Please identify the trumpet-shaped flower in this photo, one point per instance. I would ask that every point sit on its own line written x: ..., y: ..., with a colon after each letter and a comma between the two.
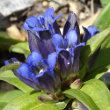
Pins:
x: 42, y: 23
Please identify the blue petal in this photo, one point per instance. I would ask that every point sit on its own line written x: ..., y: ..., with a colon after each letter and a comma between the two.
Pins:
x: 40, y: 74
x: 72, y: 38
x: 12, y: 60
x: 57, y: 40
x: 57, y: 17
x: 46, y: 82
x: 76, y: 62
x: 81, y: 44
x: 27, y: 81
x: 52, y: 60
x: 49, y: 26
x: 56, y: 28
x: 34, y: 58
x: 65, y: 43
x: 86, y: 35
x: 31, y: 21
x: 64, y: 63
x: 38, y: 29
x: 92, y: 30
x: 71, y: 23
x: 24, y: 70
x: 41, y: 21
x: 41, y: 42
x: 25, y: 25
x: 49, y: 13
x: 39, y: 17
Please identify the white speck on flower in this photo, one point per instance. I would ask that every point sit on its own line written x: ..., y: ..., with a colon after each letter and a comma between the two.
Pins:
x: 68, y: 63
x: 41, y: 70
x: 67, y: 49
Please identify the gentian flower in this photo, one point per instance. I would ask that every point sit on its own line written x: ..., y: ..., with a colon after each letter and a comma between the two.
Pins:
x: 55, y: 58
x: 41, y: 23
x: 69, y: 45
x: 38, y: 73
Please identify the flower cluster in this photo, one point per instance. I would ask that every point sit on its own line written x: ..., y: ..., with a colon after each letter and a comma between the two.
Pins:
x: 54, y: 60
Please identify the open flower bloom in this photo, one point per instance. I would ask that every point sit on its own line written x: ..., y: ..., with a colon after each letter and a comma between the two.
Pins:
x: 38, y: 73
x: 41, y: 23
x: 54, y: 57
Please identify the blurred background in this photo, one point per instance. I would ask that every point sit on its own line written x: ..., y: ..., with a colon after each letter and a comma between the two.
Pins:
x: 14, y: 13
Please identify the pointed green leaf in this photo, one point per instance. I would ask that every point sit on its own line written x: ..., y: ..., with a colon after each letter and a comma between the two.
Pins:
x: 98, y: 72
x: 46, y: 107
x: 105, y: 2
x: 24, y: 102
x: 9, y: 67
x: 97, y: 90
x: 29, y: 101
x: 62, y: 105
x: 22, y: 47
x: 9, y: 77
x: 103, y: 20
x: 8, y: 96
x: 82, y: 97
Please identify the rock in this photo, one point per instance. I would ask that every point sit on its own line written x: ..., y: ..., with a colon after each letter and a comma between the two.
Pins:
x: 82, y: 15
x: 15, y: 33
x: 7, y: 7
x: 76, y: 6
x: 57, y: 3
x: 45, y: 3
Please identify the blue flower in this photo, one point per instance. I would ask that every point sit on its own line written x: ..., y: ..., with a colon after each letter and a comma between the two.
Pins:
x: 89, y: 32
x: 41, y: 42
x: 39, y: 73
x: 69, y: 45
x: 68, y: 52
x: 54, y: 58
x: 39, y: 30
x: 42, y: 23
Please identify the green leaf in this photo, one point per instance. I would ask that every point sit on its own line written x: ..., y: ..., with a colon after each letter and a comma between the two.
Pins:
x: 62, y: 105
x: 9, y: 67
x: 9, y: 77
x: 24, y: 102
x: 98, y: 72
x: 97, y: 90
x: 103, y: 20
x: 91, y: 46
x: 6, y: 41
x: 46, y: 106
x: 82, y: 97
x: 22, y: 47
x: 29, y: 101
x: 8, y: 96
x: 105, y: 2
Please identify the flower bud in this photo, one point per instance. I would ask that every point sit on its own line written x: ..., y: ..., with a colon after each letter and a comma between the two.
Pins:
x: 45, y: 97
x: 76, y: 84
x: 79, y: 106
